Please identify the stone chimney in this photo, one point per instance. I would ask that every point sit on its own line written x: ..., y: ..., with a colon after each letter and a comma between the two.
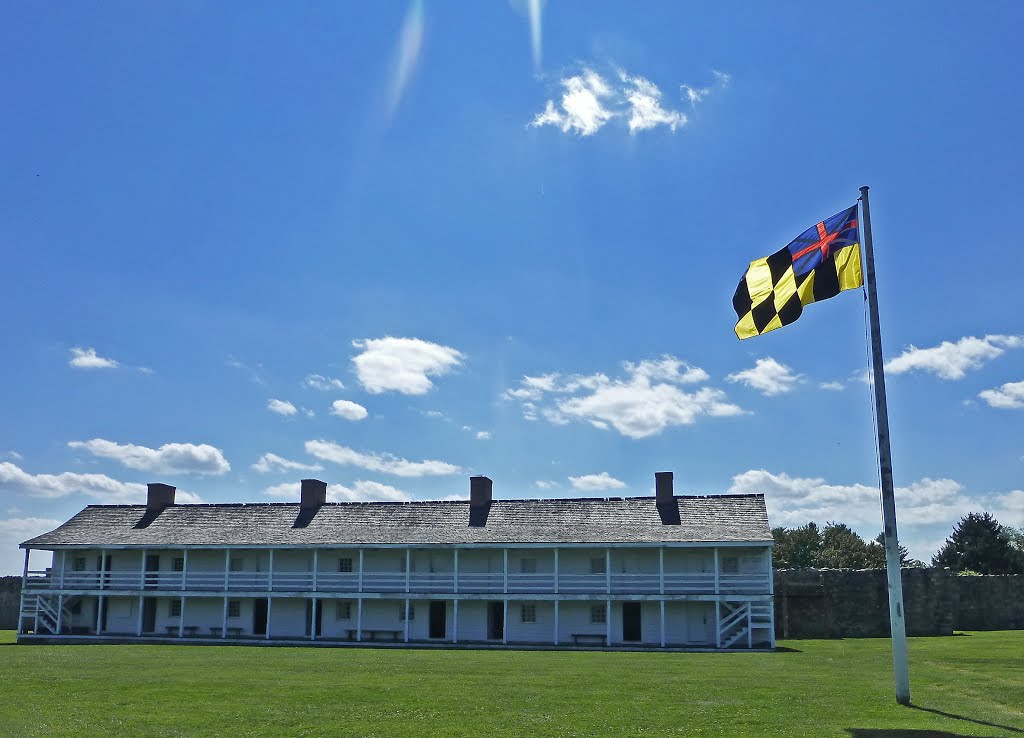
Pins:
x: 158, y: 497
x: 480, y: 492
x: 313, y: 495
x: 663, y: 488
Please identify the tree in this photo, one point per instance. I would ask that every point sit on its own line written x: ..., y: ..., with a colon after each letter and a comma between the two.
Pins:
x: 841, y: 548
x: 836, y: 546
x: 905, y: 561
x: 979, y: 543
x: 796, y: 548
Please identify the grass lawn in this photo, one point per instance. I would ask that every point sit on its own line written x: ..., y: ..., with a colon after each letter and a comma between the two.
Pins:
x: 970, y: 684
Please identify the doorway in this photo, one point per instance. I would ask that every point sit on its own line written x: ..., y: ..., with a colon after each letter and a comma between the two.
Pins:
x: 495, y: 621
x: 438, y: 618
x: 631, y: 622
x: 314, y: 610
x: 259, y: 617
x: 148, y: 615
x: 152, y: 565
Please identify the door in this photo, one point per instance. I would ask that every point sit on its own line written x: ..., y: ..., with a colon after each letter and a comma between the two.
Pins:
x: 259, y: 617
x: 495, y: 621
x: 631, y: 628
x: 148, y: 615
x: 438, y: 615
x: 315, y: 612
x: 152, y: 565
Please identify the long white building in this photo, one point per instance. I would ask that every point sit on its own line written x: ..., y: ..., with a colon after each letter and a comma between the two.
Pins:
x: 667, y: 571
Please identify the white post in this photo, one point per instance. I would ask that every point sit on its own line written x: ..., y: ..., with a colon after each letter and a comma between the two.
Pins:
x: 504, y: 611
x: 224, y: 620
x: 316, y: 564
x: 24, y: 581
x: 608, y: 570
x: 716, y: 569
x: 103, y: 568
x: 556, y: 612
x: 455, y: 569
x: 184, y: 570
x: 661, y: 570
x: 181, y: 617
x: 227, y: 567
x: 360, y: 578
x: 504, y: 573
x: 60, y: 613
x: 718, y: 624
x: 408, y: 570
x: 407, y: 614
x: 63, y: 566
x: 142, y: 571
x: 270, y: 578
x: 771, y: 592
x: 270, y: 609
x: 138, y: 623
x: 455, y: 616
x: 662, y: 603
x: 312, y: 619
x: 100, y: 605
x: 608, y: 624
x: 359, y: 606
x: 556, y: 587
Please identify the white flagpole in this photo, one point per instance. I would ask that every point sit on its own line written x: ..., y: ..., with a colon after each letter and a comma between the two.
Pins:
x: 897, y: 621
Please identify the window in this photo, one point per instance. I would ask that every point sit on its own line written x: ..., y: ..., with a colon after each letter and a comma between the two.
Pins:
x: 344, y: 611
x: 234, y: 609
x: 78, y: 563
x: 598, y: 614
x: 597, y: 565
x: 345, y: 565
x: 235, y: 564
x: 179, y: 564
x: 401, y: 612
x: 528, y: 566
x: 528, y: 613
x: 730, y: 565
x: 175, y: 609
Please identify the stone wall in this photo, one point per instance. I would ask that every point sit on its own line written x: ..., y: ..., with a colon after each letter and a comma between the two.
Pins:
x: 10, y: 601
x: 837, y: 603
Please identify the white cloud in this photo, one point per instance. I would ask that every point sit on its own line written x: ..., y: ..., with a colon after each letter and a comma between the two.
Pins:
x: 697, y: 94
x: 589, y: 101
x: 768, y: 377
x: 832, y: 386
x: 322, y: 383
x: 15, y: 455
x: 402, y: 364
x: 348, y: 410
x: 595, y: 482
x: 384, y: 463
x: 274, y: 463
x: 483, y: 435
x: 642, y: 404
x: 86, y: 358
x: 546, y: 484
x: 407, y: 54
x: 645, y: 110
x: 171, y: 458
x: 282, y: 407
x: 1008, y: 396
x: 15, y: 530
x: 952, y: 360
x: 99, y: 487
x: 360, y: 491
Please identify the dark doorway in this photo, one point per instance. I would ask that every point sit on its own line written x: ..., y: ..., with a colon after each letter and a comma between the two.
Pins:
x: 631, y: 630
x: 103, y: 605
x: 152, y: 565
x: 148, y: 615
x: 103, y: 565
x: 495, y: 621
x: 438, y: 618
x: 259, y: 617
x: 314, y: 612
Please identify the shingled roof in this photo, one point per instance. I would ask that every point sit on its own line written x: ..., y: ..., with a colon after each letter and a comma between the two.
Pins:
x: 703, y: 519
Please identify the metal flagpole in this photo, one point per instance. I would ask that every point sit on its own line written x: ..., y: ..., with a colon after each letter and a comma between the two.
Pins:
x: 892, y: 547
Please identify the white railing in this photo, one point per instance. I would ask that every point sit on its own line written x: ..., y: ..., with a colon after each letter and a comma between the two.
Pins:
x: 419, y: 583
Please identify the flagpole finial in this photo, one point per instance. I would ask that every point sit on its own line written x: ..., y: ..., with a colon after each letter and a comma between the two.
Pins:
x: 864, y: 191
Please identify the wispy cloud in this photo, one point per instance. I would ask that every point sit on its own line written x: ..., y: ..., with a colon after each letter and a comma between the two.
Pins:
x: 546, y: 484
x: 645, y: 108
x: 407, y: 54
x: 171, y: 458
x: 767, y: 376
x: 360, y: 491
x: 832, y: 386
x: 99, y: 487
x: 596, y: 482
x: 483, y: 435
x: 953, y: 359
x: 273, y: 463
x: 696, y: 95
x: 348, y: 410
x: 282, y: 407
x: 322, y: 383
x: 87, y: 358
x: 376, y: 462
x: 643, y: 403
x: 403, y: 365
x: 1007, y: 396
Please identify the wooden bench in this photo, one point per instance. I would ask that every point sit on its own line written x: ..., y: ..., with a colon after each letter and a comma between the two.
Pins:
x: 216, y: 630
x: 372, y: 634
x: 599, y: 638
x: 187, y: 630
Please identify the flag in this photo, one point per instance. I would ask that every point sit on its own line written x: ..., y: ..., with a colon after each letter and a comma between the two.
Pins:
x: 818, y: 264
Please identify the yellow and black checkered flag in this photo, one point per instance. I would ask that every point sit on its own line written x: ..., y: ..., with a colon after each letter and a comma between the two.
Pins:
x: 818, y: 264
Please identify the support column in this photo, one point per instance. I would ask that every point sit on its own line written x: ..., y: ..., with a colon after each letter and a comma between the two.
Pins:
x: 455, y: 616
x: 184, y: 570
x: 771, y: 592
x: 138, y: 623
x: 408, y: 570
x: 316, y: 565
x: 24, y: 580
x: 556, y: 614
x: 270, y: 575
x: 312, y: 619
x: 504, y: 573
x: 101, y: 603
x: 63, y: 566
x: 716, y: 570
x: 103, y: 568
x: 407, y: 614
x: 556, y: 584
x: 608, y: 624
x: 224, y: 620
x: 608, y: 570
x: 359, y: 608
x: 718, y: 624
x: 504, y: 612
x: 142, y: 571
x: 662, y: 604
x: 227, y: 567
x: 661, y: 569
x: 360, y: 578
x: 60, y: 613
x: 270, y: 611
x: 181, y: 617
x: 455, y: 570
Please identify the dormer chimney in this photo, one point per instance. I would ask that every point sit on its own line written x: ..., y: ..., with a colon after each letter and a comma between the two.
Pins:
x: 158, y: 497
x: 480, y: 492
x: 663, y: 488
x: 313, y: 495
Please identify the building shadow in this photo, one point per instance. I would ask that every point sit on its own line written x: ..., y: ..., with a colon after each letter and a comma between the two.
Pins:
x: 787, y: 649
x: 902, y: 733
x: 976, y: 721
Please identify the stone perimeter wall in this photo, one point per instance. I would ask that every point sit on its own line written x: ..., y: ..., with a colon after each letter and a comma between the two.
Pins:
x: 839, y: 603
x: 10, y: 601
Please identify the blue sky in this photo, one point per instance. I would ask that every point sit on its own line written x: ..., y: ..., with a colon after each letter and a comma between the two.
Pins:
x: 504, y: 240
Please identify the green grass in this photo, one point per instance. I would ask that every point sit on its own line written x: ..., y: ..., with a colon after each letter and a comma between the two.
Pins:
x: 964, y: 685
